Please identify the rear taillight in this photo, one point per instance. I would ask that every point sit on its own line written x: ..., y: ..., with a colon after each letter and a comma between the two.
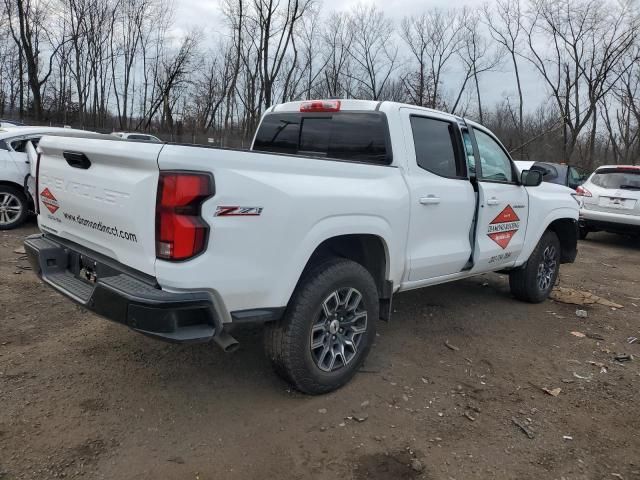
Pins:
x: 181, y: 233
x: 583, y: 192
x: 320, y: 106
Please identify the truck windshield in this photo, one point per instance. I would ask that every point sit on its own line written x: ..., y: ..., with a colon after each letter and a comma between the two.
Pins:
x: 358, y: 137
x: 616, y: 178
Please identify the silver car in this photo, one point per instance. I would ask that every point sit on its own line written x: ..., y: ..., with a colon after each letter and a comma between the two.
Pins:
x: 610, y: 201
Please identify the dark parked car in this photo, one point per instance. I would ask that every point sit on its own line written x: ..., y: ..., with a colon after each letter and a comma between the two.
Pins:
x: 559, y: 173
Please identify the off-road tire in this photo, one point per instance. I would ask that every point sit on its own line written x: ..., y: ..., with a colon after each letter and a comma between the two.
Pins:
x: 524, y: 281
x: 21, y: 198
x: 288, y: 341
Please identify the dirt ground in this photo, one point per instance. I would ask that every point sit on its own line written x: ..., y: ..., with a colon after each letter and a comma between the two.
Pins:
x: 437, y: 399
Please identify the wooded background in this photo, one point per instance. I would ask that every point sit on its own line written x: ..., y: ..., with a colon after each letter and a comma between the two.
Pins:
x: 123, y: 65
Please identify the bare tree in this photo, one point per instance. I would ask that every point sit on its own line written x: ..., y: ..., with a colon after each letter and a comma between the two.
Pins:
x: 433, y: 38
x: 29, y: 25
x: 585, y: 53
x: 276, y: 27
x: 621, y: 115
x: 505, y: 26
x: 478, y: 57
x: 337, y: 39
x: 372, y: 50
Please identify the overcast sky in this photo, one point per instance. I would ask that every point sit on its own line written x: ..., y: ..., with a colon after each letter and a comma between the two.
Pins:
x: 206, y: 16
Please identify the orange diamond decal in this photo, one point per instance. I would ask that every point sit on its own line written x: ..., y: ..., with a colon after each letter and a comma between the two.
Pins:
x: 504, y: 227
x: 49, y: 200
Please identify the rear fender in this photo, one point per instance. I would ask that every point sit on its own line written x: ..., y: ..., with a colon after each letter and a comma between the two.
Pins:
x: 336, y: 226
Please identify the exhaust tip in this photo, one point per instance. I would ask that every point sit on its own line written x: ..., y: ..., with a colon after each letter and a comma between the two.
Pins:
x: 232, y: 348
x: 226, y: 342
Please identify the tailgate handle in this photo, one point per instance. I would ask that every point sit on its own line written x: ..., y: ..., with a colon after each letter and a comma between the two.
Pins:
x: 77, y: 160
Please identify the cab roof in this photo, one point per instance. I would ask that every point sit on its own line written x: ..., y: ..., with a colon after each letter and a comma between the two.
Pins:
x: 356, y: 105
x: 31, y: 130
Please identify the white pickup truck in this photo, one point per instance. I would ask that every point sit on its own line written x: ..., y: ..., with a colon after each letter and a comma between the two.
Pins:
x: 338, y: 205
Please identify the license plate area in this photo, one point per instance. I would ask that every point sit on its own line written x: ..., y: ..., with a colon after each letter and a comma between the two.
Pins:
x: 617, y: 203
x: 84, y: 268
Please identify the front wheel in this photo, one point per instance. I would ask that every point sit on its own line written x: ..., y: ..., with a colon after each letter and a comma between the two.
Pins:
x: 534, y: 281
x: 328, y: 328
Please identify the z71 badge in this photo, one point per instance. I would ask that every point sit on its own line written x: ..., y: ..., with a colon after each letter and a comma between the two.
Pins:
x: 238, y: 212
x: 504, y: 227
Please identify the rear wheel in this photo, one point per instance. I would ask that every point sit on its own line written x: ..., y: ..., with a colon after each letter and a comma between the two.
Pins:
x: 328, y: 328
x: 534, y: 281
x: 13, y: 207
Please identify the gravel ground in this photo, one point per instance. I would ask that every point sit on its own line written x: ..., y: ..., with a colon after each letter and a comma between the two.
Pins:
x: 439, y: 397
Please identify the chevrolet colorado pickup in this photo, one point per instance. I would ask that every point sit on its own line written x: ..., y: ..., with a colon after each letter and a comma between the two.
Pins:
x: 338, y: 205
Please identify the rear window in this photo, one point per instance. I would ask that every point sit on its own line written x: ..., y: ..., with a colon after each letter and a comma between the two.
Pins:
x: 617, y: 178
x: 358, y: 137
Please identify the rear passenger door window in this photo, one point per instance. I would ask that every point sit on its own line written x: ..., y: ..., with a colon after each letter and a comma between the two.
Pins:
x: 437, y: 146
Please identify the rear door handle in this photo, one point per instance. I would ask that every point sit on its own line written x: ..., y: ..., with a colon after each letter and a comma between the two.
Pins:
x: 430, y: 200
x: 493, y: 201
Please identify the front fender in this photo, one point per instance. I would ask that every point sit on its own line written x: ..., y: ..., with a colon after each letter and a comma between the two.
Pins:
x: 536, y: 229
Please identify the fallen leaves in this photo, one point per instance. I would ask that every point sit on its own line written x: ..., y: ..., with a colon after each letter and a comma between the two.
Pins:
x: 554, y: 392
x: 580, y: 297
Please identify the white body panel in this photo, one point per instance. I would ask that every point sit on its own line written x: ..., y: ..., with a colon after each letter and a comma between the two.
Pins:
x: 255, y: 262
x: 619, y: 206
x: 15, y: 166
x: 303, y: 202
x: 108, y: 208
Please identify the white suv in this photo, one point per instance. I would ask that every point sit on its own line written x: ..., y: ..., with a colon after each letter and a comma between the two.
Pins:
x: 611, y: 200
x: 141, y: 137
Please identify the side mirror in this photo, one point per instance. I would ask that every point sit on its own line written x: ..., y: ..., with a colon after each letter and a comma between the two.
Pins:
x: 531, y: 178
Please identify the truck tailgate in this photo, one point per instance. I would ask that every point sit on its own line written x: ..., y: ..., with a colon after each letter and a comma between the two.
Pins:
x: 101, y: 194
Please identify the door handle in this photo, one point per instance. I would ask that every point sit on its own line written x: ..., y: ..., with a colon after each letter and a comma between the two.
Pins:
x: 493, y: 201
x: 77, y: 160
x: 429, y: 200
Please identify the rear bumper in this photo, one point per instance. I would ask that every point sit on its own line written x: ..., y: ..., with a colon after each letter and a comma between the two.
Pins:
x: 608, y: 221
x: 123, y: 298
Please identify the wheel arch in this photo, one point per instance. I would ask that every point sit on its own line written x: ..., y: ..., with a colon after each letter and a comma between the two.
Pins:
x: 10, y: 183
x: 564, y: 222
x: 567, y: 231
x: 369, y: 250
x: 20, y: 188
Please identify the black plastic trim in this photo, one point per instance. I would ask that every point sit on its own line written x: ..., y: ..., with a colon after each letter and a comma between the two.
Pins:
x: 612, y: 227
x: 104, y: 260
x: 187, y: 317
x: 257, y: 315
